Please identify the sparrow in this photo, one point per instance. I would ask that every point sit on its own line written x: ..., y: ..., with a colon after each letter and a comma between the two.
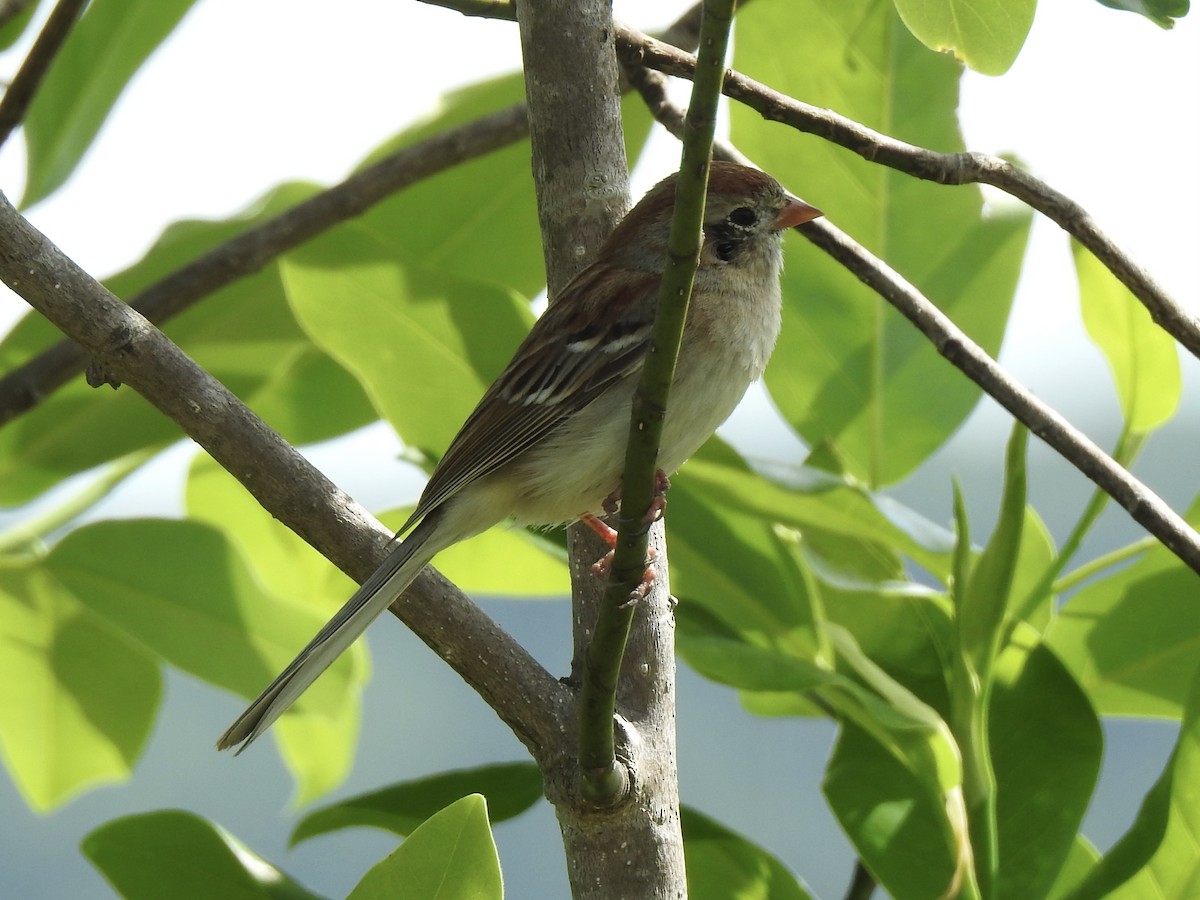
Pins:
x: 546, y: 444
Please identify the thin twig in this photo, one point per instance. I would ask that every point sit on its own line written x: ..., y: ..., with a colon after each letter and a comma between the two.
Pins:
x: 862, y: 883
x: 523, y: 694
x: 943, y: 168
x: 1146, y: 507
x: 483, y: 9
x: 25, y: 83
x: 27, y: 385
x: 597, y: 699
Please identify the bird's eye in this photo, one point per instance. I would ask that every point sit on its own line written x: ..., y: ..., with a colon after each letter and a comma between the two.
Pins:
x: 743, y: 216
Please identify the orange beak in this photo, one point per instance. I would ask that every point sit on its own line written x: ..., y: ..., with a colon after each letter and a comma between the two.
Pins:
x: 797, y: 212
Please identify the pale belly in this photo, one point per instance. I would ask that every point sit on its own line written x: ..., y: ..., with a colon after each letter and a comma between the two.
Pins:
x: 573, y: 471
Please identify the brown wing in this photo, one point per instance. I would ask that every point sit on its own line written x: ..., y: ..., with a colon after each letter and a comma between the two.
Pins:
x: 597, y: 332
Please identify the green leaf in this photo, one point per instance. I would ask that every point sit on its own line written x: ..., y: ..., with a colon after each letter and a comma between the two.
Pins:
x: 244, y: 334
x: 739, y: 570
x: 98, y: 59
x: 77, y: 698
x: 1028, y: 601
x: 510, y: 788
x: 317, y: 749
x: 819, y: 503
x: 1161, y: 12
x: 1046, y: 746
x: 984, y: 600
x: 905, y: 726
x: 985, y: 34
x: 308, y: 398
x: 849, y: 373
x: 497, y: 562
x: 1159, y: 856
x: 11, y: 31
x: 504, y: 562
x: 424, y: 343
x: 172, y: 853
x: 184, y: 592
x: 74, y: 430
x: 761, y: 599
x: 886, y: 730
x: 433, y: 295
x: 1142, y: 357
x: 1133, y: 639
x: 903, y: 723
x: 280, y: 559
x: 746, y: 667
x: 722, y: 864
x: 1080, y: 861
x: 896, y: 824
x: 448, y: 222
x: 450, y: 857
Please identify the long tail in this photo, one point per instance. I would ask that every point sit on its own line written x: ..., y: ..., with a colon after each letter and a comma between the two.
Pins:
x: 386, y: 583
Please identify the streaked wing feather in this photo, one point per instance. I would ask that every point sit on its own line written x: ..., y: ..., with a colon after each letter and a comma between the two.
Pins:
x: 574, y: 351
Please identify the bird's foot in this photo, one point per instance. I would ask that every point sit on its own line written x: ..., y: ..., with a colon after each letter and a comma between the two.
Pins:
x: 658, y: 503
x: 601, y: 567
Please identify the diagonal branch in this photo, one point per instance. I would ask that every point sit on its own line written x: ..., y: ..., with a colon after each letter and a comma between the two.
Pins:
x: 1146, y: 507
x: 27, y: 385
x: 943, y: 168
x: 523, y: 694
x: 28, y: 79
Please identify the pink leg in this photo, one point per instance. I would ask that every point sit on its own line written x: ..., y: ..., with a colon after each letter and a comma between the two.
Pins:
x: 658, y: 503
x: 601, y: 566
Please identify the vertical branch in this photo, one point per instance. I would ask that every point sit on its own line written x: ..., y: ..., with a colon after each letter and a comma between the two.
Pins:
x: 579, y: 162
x: 571, y: 77
x: 602, y: 774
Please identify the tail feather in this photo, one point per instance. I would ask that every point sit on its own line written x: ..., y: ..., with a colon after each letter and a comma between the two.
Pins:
x: 386, y: 583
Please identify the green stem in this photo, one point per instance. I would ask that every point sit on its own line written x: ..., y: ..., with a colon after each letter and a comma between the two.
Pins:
x: 968, y: 722
x: 862, y: 884
x: 1128, y: 445
x: 1100, y: 563
x: 602, y: 781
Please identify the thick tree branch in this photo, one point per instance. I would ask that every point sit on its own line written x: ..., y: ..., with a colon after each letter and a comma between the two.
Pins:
x: 1146, y: 507
x: 579, y: 162
x: 21, y: 91
x: 683, y: 32
x: 943, y: 168
x: 525, y: 696
x: 27, y: 385
x: 633, y: 848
